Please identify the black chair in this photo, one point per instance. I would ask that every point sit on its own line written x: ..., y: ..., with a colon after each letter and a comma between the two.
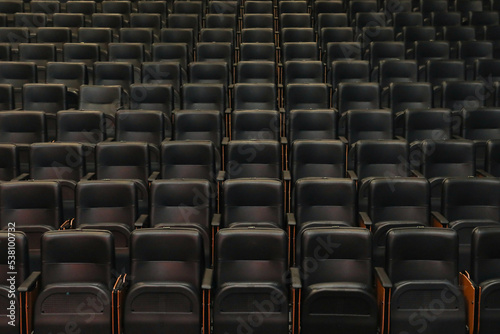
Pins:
x: 250, y: 266
x: 422, y: 263
x: 485, y: 276
x: 199, y: 125
x: 157, y: 97
x: 180, y: 301
x: 6, y: 97
x: 492, y: 163
x: 409, y: 95
x: 75, y: 265
x: 327, y: 294
x: 466, y: 204
x: 107, y: 99
x: 110, y: 205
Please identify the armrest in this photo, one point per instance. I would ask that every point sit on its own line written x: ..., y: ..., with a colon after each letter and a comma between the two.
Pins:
x: 399, y: 137
x: 295, y: 275
x: 221, y: 176
x: 227, y: 111
x: 153, y: 176
x: 283, y: 141
x: 225, y: 141
x: 416, y: 173
x: 216, y: 220
x: 382, y: 277
x: 208, y: 275
x: 344, y: 140
x: 141, y: 221
x: 365, y: 219
x: 352, y: 175
x: 290, y: 218
x: 483, y: 173
x: 286, y: 175
x: 88, y: 176
x: 67, y: 224
x: 121, y: 283
x: 438, y: 218
x: 30, y: 283
x: 21, y: 177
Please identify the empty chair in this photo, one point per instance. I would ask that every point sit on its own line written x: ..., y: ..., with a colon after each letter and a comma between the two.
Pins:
x: 470, y: 51
x: 368, y: 124
x: 384, y: 51
x: 342, y: 51
x: 258, y: 7
x: 439, y: 71
x: 133, y: 53
x: 326, y: 288
x: 444, y: 19
x: 163, y: 73
x: 331, y: 20
x: 153, y: 7
x: 299, y: 51
x: 9, y: 292
x: 196, y: 159
x: 465, y: 7
x: 73, y: 21
x: 335, y: 34
x: 480, y: 125
x: 249, y: 249
x: 361, y: 7
x: 446, y: 158
x: 114, y: 73
x: 255, y: 124
x: 107, y: 99
x: 430, y: 50
x: 39, y: 54
x: 185, y: 204
x: 6, y: 97
x: 306, y: 96
x: 35, y: 207
x: 147, y: 21
x: 253, y: 159
x: 414, y: 34
x: 321, y: 7
x: 491, y: 34
x: 303, y: 72
x: 395, y: 203
x: 256, y: 72
x: 254, y: 96
x: 49, y: 98
x: 485, y: 276
x: 87, y: 53
x: 349, y: 71
x: 150, y: 126
x: 22, y: 127
x: 297, y: 35
x: 420, y: 124
x: 317, y: 158
x: 423, y: 262
x: 258, y: 21
x: 110, y: 205
x: 191, y: 7
x: 199, y: 125
x: 10, y: 8
x: 55, y: 35
x: 257, y: 35
x: 172, y: 52
x: 395, y: 71
x: 218, y: 35
x: 88, y: 8
x: 189, y: 21
x: 219, y: 20
x: 256, y: 201
x: 70, y: 271
x: 119, y: 7
x: 410, y: 95
x: 179, y: 35
x: 358, y: 95
x: 458, y: 95
x: 406, y: 19
x: 81, y: 126
x: 223, y: 7
x: 112, y: 21
x: 217, y: 51
x: 487, y: 70
x: 371, y: 20
x: 429, y: 6
x: 257, y: 51
x: 168, y: 248
x: 375, y: 34
x: 312, y: 124
x: 160, y: 97
x: 124, y: 160
x: 72, y: 75
x: 209, y: 72
x: 5, y: 52
x: 467, y: 203
x: 292, y: 7
x: 101, y: 36
x: 204, y: 97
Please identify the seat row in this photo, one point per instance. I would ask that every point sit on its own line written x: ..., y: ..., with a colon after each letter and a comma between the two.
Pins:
x: 168, y: 275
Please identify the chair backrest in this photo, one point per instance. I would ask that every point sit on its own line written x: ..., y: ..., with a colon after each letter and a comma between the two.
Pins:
x: 150, y: 126
x: 78, y: 257
x: 251, y: 256
x: 448, y: 158
x: 400, y: 199
x: 317, y: 158
x: 471, y: 198
x: 312, y: 124
x: 107, y: 99
x: 420, y: 124
x: 22, y: 127
x: 9, y: 162
x: 369, y: 124
x: 414, y: 254
x: 30, y: 204
x: 492, y: 161
x: 253, y: 201
x: 345, y: 255
x: 388, y: 158
x: 253, y: 158
x: 81, y: 126
x: 485, y: 255
x: 331, y: 200
x: 57, y: 161
x: 167, y: 255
